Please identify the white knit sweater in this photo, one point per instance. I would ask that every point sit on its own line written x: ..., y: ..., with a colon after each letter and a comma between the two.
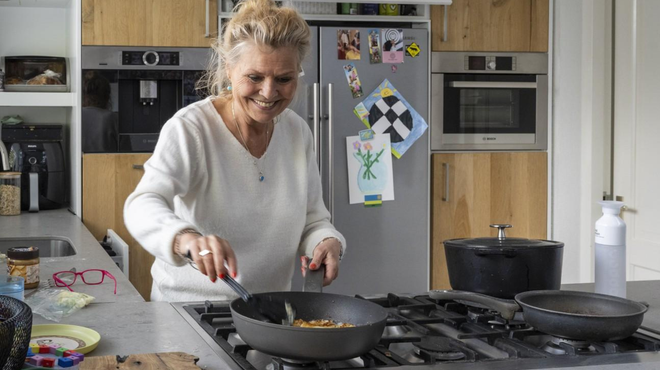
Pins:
x: 201, y: 177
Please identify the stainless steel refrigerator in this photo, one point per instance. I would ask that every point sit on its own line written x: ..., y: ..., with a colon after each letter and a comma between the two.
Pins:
x: 388, y: 246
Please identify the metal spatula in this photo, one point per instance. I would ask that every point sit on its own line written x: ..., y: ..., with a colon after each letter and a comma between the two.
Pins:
x: 269, y: 309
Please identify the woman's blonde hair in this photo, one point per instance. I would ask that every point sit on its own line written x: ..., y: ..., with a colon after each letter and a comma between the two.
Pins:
x: 255, y: 22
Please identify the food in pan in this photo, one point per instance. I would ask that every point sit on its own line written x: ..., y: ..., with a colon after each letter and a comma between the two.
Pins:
x: 322, y: 324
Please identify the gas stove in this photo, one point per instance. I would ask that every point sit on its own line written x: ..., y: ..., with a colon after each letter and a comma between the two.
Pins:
x: 423, y: 333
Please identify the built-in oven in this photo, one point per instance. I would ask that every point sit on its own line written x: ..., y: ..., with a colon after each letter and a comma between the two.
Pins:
x: 128, y: 93
x: 489, y: 101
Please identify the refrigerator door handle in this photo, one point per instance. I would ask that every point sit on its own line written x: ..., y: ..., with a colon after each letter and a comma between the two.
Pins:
x: 317, y: 124
x: 331, y: 168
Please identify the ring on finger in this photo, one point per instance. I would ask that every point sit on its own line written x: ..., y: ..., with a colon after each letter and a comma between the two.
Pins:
x: 205, y: 252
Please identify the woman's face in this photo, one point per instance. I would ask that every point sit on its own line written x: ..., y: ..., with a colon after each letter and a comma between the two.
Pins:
x: 263, y: 82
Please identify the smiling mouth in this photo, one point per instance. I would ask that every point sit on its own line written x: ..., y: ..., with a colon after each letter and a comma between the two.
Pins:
x: 263, y: 103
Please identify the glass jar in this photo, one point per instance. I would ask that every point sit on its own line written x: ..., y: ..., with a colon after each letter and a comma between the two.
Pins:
x: 24, y: 262
x: 10, y: 193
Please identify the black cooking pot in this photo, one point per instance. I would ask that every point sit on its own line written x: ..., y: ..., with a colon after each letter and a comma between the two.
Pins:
x: 503, y: 267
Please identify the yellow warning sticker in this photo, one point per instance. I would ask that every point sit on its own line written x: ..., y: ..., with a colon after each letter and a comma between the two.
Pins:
x: 413, y: 49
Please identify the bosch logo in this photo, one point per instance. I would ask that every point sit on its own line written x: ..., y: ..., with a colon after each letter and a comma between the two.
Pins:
x: 486, y: 138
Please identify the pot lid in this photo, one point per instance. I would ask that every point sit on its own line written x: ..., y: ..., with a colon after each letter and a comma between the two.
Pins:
x: 501, y: 241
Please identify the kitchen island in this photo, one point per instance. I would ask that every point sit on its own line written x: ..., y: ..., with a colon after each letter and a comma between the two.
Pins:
x: 128, y: 325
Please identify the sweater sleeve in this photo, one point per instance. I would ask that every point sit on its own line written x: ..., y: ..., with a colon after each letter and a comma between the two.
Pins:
x: 317, y: 225
x: 170, y: 172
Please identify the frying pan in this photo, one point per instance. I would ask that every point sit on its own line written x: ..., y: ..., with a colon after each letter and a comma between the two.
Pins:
x: 312, y: 344
x: 566, y: 314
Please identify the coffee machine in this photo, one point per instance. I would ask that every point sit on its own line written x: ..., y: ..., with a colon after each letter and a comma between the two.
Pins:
x: 36, y: 152
x: 136, y: 90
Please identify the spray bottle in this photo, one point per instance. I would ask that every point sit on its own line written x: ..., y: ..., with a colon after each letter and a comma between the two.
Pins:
x: 611, y: 251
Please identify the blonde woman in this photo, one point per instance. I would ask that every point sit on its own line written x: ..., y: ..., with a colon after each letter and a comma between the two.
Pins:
x: 233, y: 182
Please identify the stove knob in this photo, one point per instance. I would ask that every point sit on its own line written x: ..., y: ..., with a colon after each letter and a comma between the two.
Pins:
x: 492, y: 65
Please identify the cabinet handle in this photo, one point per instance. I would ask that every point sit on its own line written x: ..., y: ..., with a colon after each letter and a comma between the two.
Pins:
x: 138, y: 167
x: 444, y: 24
x: 445, y: 197
x: 207, y: 20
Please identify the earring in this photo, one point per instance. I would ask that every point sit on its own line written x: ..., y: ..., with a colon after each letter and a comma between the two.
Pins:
x: 229, y: 87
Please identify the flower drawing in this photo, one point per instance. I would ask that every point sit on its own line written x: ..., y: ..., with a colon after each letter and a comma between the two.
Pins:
x: 367, y: 159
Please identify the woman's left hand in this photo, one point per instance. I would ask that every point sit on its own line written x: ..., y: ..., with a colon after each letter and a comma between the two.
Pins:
x: 326, y: 253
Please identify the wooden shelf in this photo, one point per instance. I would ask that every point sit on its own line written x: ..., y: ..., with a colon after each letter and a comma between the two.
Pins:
x: 36, y: 99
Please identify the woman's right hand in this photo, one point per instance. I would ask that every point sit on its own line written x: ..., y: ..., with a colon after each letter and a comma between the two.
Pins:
x: 210, y: 264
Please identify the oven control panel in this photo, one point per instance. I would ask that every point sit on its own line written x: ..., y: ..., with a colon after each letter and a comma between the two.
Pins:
x: 150, y: 58
x: 489, y: 63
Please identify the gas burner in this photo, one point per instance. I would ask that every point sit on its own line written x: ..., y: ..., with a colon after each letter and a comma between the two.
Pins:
x: 439, y: 349
x: 283, y: 364
x: 577, y: 344
x: 563, y: 346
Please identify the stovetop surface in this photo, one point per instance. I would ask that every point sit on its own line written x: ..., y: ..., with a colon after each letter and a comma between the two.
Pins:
x: 423, y: 333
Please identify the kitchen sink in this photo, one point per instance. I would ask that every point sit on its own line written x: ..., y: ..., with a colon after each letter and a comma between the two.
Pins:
x: 48, y: 246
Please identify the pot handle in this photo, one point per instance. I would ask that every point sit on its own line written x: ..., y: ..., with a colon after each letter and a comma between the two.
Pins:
x: 500, y: 230
x: 507, y: 252
x: 507, y: 308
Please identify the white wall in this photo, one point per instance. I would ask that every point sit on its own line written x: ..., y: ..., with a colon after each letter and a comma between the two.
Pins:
x: 581, y: 126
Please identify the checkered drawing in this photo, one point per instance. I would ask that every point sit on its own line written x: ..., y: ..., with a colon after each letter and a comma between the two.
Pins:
x: 390, y: 113
x: 390, y: 116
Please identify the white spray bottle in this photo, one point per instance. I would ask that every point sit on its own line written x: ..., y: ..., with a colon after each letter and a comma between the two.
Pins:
x: 611, y: 251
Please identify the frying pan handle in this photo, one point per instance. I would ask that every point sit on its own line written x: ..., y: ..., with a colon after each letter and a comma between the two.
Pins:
x: 314, y: 280
x: 507, y: 308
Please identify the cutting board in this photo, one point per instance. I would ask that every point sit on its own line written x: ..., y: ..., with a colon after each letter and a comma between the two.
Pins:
x: 146, y: 361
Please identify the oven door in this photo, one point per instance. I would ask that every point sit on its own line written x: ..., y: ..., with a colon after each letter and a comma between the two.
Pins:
x: 489, y: 112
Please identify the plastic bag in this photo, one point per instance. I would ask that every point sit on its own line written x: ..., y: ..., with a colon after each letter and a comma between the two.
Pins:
x: 54, y: 304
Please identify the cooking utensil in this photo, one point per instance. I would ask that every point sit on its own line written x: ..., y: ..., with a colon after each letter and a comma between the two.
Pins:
x: 566, y: 314
x: 269, y: 309
x: 503, y: 267
x: 313, y: 344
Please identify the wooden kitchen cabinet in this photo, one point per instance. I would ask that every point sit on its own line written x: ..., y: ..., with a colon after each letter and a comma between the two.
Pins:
x: 491, y: 25
x: 108, y: 179
x: 484, y: 189
x: 173, y: 23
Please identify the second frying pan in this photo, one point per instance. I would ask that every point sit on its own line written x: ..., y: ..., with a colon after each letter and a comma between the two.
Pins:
x: 565, y: 314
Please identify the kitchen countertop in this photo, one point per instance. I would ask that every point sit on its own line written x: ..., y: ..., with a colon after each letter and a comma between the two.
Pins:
x: 89, y: 253
x: 128, y: 325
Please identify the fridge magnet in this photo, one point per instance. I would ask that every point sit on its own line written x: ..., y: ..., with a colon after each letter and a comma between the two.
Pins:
x: 375, y: 56
x: 392, y: 45
x: 366, y: 135
x: 353, y: 80
x: 361, y: 112
x: 394, y: 68
x: 413, y: 50
x: 348, y: 44
x: 373, y: 200
x: 369, y: 169
x: 390, y: 113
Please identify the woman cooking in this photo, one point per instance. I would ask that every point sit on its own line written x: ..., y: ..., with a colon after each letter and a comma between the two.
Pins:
x: 233, y: 182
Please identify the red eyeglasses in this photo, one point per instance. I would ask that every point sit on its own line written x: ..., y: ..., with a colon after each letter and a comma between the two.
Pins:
x: 89, y: 277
